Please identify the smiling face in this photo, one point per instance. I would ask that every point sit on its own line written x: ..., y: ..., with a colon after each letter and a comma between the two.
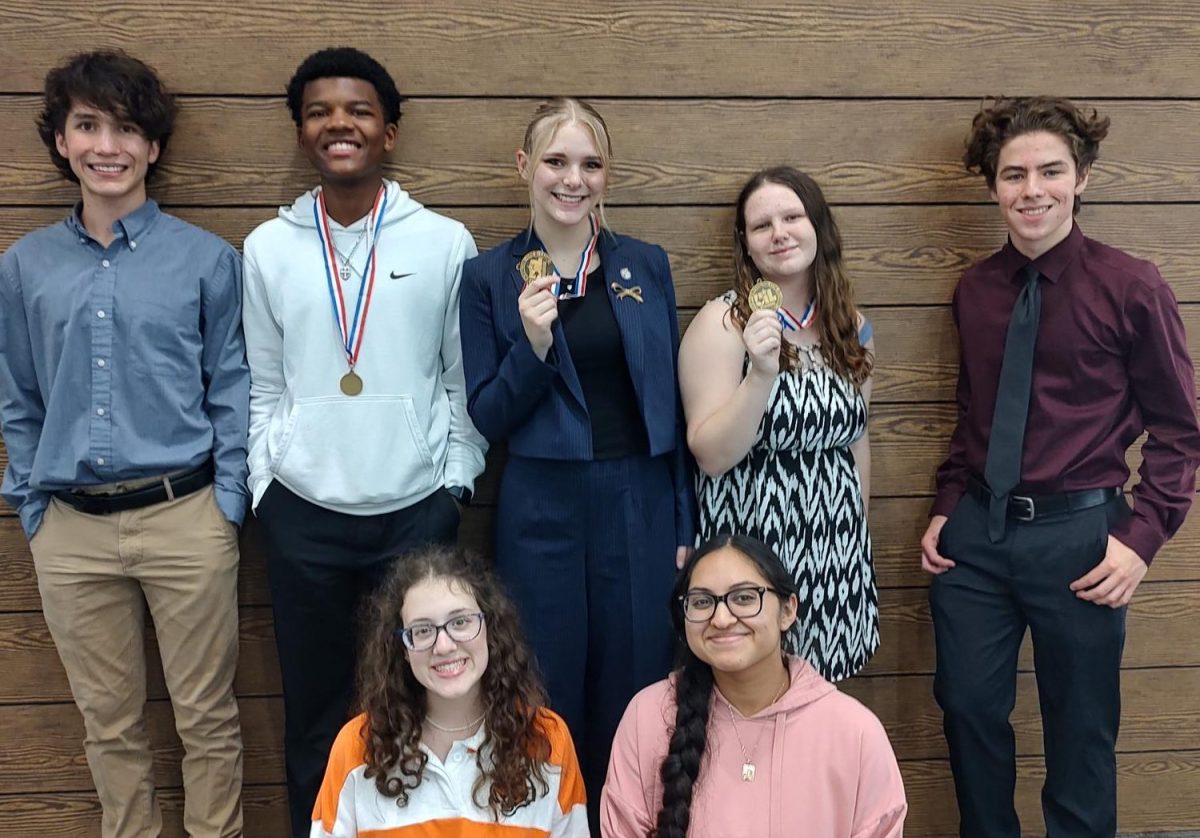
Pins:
x: 343, y: 131
x: 779, y: 235
x: 1036, y: 185
x: 109, y: 154
x: 731, y: 644
x: 568, y: 179
x: 451, y: 670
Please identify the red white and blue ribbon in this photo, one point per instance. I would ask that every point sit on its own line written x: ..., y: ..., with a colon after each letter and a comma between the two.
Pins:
x: 351, y: 330
x: 791, y: 322
x: 577, y: 287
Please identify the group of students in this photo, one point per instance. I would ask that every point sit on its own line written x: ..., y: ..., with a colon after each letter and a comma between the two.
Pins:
x: 140, y: 424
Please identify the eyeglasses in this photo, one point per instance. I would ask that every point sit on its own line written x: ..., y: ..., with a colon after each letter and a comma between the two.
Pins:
x: 700, y: 606
x: 423, y: 636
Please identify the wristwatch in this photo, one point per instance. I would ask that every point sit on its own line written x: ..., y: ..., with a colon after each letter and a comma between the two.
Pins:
x: 461, y: 494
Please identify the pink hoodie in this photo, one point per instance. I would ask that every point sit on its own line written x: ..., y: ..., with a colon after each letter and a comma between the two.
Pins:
x: 824, y: 768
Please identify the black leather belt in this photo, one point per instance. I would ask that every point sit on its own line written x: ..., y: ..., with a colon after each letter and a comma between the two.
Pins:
x: 1030, y: 507
x: 184, y: 484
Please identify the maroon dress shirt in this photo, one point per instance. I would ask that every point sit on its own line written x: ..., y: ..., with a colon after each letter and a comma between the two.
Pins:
x: 1111, y: 361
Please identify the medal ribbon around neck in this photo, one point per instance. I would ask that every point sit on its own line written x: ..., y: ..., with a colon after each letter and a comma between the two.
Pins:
x: 792, y: 323
x: 579, y: 284
x: 351, y: 331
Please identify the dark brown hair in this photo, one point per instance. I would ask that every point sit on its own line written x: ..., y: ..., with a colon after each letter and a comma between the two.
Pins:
x: 115, y: 83
x: 516, y: 745
x: 837, y: 316
x: 1004, y: 119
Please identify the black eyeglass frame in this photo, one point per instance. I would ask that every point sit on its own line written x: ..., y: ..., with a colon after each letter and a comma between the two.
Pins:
x: 717, y: 599
x: 406, y: 637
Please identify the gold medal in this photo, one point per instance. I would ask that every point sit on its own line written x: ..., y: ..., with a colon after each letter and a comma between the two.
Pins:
x: 765, y: 294
x: 535, y: 264
x: 351, y: 384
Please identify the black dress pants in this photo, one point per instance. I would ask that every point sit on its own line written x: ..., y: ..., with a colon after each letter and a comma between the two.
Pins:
x: 981, y: 609
x: 321, y: 565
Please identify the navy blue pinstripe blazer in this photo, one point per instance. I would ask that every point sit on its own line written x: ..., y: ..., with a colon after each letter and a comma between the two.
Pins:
x: 538, y: 407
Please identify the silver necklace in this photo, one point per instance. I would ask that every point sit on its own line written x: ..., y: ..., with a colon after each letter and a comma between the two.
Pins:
x: 747, y: 758
x: 344, y: 270
x: 467, y: 726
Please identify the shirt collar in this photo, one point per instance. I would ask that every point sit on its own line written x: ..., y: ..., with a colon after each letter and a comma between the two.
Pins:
x: 1052, y: 264
x: 133, y: 226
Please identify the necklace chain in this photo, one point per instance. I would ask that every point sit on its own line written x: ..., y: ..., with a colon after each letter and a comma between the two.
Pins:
x: 346, y: 267
x: 747, y: 758
x: 467, y: 726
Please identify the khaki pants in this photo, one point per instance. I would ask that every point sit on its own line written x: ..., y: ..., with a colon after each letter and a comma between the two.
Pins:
x: 94, y: 572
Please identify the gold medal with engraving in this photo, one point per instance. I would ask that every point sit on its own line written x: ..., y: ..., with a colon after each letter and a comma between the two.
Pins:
x: 534, y: 264
x: 351, y: 384
x: 765, y: 294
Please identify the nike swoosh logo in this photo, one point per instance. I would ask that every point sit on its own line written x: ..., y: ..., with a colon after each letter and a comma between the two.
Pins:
x: 395, y: 275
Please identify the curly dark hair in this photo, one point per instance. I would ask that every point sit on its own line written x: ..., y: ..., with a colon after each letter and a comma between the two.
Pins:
x: 694, y: 685
x: 837, y: 316
x: 344, y: 63
x: 1005, y: 118
x: 516, y: 742
x: 112, y: 81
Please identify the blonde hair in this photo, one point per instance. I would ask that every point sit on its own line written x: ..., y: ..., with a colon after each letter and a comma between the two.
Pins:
x: 552, y: 115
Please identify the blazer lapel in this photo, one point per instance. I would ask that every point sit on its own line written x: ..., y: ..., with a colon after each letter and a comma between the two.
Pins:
x: 626, y: 292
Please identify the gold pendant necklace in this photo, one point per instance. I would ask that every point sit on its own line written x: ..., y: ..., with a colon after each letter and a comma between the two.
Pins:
x: 748, y: 768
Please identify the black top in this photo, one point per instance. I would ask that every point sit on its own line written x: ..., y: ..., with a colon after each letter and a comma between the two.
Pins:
x: 594, y: 341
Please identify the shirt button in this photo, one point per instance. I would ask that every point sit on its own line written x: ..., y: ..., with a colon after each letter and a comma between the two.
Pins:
x: 100, y: 363
x: 100, y: 314
x: 99, y: 461
x: 99, y: 411
x: 133, y: 245
x: 104, y: 263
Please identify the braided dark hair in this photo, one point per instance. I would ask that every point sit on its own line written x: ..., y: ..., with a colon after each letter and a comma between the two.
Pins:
x: 694, y: 685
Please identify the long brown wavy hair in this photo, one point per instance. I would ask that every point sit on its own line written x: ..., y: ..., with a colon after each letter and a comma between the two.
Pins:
x: 515, y: 743
x: 837, y: 316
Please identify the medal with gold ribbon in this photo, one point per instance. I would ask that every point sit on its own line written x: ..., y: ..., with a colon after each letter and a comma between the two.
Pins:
x: 350, y: 329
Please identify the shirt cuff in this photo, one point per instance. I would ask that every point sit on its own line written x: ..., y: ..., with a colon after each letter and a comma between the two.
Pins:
x: 32, y: 512
x: 1139, y: 536
x: 945, y: 501
x: 232, y: 504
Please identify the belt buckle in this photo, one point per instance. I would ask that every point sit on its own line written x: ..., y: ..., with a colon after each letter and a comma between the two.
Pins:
x: 1027, y: 514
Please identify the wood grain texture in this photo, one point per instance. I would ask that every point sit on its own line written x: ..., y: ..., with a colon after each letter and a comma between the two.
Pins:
x: 904, y: 255
x: 1156, y: 791
x: 1160, y: 635
x: 1158, y: 714
x: 460, y: 151
x: 934, y: 47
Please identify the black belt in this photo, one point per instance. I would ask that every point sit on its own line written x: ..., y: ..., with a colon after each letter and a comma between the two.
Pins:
x: 184, y: 484
x: 1029, y: 507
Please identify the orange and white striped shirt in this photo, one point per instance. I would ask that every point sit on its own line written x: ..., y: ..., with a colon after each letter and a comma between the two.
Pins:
x: 349, y: 805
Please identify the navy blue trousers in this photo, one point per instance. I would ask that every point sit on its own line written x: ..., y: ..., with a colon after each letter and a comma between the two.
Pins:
x: 981, y: 610
x: 587, y: 550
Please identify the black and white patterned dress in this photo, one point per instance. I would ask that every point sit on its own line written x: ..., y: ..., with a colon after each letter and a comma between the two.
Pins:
x: 798, y: 491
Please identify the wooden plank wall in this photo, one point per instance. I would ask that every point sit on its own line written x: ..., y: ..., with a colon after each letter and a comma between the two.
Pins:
x: 871, y: 97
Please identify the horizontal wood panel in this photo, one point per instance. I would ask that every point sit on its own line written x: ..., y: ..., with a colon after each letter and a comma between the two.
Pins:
x: 896, y: 528
x: 1156, y: 791
x: 895, y: 255
x: 928, y: 48
x: 460, y: 151
x: 1159, y: 713
x: 1161, y: 630
x: 1161, y: 633
x: 77, y: 814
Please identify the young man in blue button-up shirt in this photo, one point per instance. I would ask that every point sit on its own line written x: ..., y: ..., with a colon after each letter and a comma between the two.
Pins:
x: 124, y: 400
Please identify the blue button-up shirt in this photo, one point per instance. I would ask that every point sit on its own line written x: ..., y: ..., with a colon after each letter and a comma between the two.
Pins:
x: 121, y: 362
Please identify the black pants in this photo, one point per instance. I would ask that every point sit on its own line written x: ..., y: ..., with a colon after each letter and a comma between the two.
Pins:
x: 981, y: 609
x: 320, y: 565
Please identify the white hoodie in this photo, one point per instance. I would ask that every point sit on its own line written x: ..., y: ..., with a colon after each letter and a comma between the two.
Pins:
x: 408, y: 433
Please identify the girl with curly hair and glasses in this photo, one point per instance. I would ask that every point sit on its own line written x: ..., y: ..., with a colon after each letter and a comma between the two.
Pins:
x: 745, y: 739
x: 454, y: 737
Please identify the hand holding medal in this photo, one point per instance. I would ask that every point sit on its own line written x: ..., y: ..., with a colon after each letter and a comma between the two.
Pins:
x: 537, y: 304
x: 763, y: 334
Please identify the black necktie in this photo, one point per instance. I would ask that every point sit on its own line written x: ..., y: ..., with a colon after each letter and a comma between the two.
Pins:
x: 1003, y: 468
